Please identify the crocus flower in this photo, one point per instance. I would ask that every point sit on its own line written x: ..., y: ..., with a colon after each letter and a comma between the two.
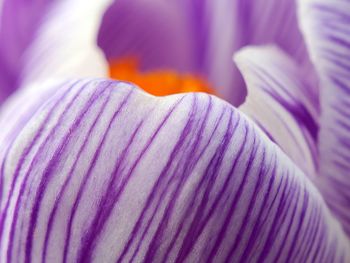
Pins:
x: 95, y: 169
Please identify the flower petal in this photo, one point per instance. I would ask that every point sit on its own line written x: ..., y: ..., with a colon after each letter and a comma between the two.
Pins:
x: 251, y: 22
x: 153, y: 31
x: 44, y: 39
x: 201, y: 36
x: 104, y: 172
x: 278, y: 102
x: 325, y: 24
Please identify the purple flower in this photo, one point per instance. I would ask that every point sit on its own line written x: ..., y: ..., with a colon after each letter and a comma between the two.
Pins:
x: 93, y: 169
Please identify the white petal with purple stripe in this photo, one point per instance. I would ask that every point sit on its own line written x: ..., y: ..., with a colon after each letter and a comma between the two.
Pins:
x: 325, y: 24
x: 279, y: 102
x: 103, y: 172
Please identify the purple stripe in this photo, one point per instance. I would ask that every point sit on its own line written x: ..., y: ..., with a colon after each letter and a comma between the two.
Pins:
x: 21, y: 123
x: 129, y: 174
x: 298, y: 110
x: 87, y: 176
x: 106, y: 205
x: 332, y: 251
x: 335, y: 12
x: 258, y: 225
x: 300, y: 223
x: 304, y: 249
x: 223, y: 231
x: 310, y: 241
x: 25, y: 152
x: 317, y: 247
x: 27, y: 175
x: 184, y: 171
x: 52, y: 215
x: 305, y: 237
x: 252, y: 201
x: 135, y: 164
x: 317, y: 238
x: 156, y: 187
x: 21, y: 161
x: 343, y: 86
x: 279, y: 218
x: 210, y: 178
x: 201, y: 217
x: 289, y: 224
x: 293, y: 106
x: 322, y: 253
x: 337, y: 59
x: 190, y: 206
x: 52, y: 165
x: 261, y: 126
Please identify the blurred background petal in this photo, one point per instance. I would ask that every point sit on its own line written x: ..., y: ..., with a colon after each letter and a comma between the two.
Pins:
x: 156, y: 31
x: 325, y: 24
x: 201, y: 36
x: 277, y: 101
x: 41, y: 39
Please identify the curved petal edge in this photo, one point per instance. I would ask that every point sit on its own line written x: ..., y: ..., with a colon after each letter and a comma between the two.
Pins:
x: 103, y: 172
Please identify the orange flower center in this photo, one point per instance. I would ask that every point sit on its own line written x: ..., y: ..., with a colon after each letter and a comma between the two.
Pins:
x: 157, y: 82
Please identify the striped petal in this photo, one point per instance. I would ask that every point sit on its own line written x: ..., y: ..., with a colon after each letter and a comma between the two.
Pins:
x: 326, y: 29
x: 278, y: 101
x: 235, y: 24
x: 44, y: 39
x: 106, y: 173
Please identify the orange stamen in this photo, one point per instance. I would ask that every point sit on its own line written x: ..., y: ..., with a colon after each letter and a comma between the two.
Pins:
x: 157, y: 82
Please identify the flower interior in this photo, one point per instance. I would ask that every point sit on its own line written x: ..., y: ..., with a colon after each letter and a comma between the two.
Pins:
x: 159, y: 82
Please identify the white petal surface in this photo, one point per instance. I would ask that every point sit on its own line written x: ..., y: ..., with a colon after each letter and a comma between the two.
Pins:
x: 325, y: 24
x: 278, y: 102
x: 103, y: 172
